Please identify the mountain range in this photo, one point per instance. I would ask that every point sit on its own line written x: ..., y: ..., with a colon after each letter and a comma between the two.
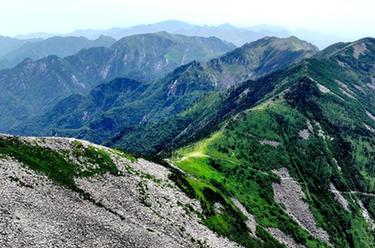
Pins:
x: 270, y: 144
x: 120, y: 105
x: 236, y: 35
x: 33, y: 86
x: 8, y: 44
x: 230, y: 33
x: 59, y: 46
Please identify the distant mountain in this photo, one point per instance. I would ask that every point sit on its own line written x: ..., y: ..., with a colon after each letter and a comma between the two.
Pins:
x: 85, y: 117
x: 227, y: 32
x: 59, y: 46
x: 236, y: 35
x: 40, y: 35
x: 8, y: 44
x: 233, y: 34
x: 34, y: 86
x: 198, y: 120
x: 121, y: 104
x: 270, y: 30
x: 166, y: 26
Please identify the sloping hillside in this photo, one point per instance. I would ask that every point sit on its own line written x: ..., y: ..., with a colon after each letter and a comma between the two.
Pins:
x: 299, y: 158
x: 74, y: 193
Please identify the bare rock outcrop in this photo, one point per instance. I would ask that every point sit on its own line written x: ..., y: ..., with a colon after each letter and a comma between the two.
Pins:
x: 290, y: 195
x: 339, y: 197
x: 251, y: 222
x: 284, y: 238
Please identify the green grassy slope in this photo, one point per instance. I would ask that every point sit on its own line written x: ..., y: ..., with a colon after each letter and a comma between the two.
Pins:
x: 321, y: 128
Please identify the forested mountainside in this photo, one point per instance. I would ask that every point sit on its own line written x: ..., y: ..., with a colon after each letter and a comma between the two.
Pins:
x: 32, y: 87
x: 211, y: 110
x: 86, y: 117
x: 299, y: 158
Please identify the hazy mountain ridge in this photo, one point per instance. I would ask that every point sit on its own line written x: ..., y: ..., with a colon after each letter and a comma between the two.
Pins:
x: 168, y: 96
x: 8, y: 44
x: 59, y: 46
x: 227, y: 32
x: 236, y: 35
x: 34, y: 86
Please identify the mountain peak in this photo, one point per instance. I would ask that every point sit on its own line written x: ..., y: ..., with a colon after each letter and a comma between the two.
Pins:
x: 258, y: 58
x: 291, y: 43
x: 226, y: 26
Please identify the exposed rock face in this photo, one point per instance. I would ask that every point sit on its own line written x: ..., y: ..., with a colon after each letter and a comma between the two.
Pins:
x: 371, y: 116
x: 272, y: 143
x: 369, y: 128
x: 304, y: 134
x: 284, y: 238
x: 359, y: 49
x: 251, y: 222
x: 140, y: 207
x: 323, y: 89
x: 289, y: 194
x: 339, y: 197
x: 366, y: 215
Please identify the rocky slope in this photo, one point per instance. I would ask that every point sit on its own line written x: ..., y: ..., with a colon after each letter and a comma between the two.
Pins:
x: 74, y: 193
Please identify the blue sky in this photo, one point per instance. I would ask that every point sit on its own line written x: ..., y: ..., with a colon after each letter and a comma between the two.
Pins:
x: 340, y: 17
